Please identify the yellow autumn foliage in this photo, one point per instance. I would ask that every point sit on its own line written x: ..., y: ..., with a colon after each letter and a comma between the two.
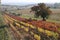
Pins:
x: 37, y: 37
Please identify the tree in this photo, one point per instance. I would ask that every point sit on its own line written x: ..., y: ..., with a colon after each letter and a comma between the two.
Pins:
x: 41, y: 10
x: 19, y: 14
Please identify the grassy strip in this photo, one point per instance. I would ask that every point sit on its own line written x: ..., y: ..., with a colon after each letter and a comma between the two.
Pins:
x: 9, y: 38
x: 3, y: 34
x: 53, y: 21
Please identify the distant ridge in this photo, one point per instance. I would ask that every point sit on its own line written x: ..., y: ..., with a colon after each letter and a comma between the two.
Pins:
x: 51, y: 5
x: 21, y: 4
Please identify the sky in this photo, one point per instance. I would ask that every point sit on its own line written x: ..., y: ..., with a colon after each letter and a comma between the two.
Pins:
x: 28, y: 1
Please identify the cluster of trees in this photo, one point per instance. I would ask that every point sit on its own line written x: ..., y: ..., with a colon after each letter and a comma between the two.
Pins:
x: 16, y: 14
x: 41, y: 10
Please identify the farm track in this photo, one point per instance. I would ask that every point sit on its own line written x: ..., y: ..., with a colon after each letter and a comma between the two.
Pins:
x: 23, y: 28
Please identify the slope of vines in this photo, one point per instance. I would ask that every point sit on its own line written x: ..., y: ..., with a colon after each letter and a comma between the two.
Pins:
x: 40, y: 30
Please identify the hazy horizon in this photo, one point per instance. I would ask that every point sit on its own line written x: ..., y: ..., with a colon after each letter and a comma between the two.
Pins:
x: 25, y: 2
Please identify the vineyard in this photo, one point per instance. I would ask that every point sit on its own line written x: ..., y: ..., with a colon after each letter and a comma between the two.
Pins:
x: 28, y: 29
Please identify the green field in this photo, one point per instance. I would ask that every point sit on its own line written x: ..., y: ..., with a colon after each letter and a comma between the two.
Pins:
x: 3, y: 33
